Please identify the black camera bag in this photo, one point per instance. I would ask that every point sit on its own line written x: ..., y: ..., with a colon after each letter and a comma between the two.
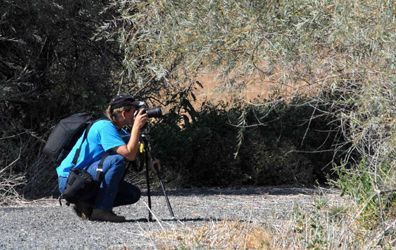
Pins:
x: 80, y: 187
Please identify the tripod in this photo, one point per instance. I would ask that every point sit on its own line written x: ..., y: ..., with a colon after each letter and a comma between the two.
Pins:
x: 145, y: 151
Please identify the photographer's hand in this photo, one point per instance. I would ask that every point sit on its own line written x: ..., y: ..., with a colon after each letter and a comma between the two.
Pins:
x: 156, y: 164
x: 140, y: 119
x: 129, y: 150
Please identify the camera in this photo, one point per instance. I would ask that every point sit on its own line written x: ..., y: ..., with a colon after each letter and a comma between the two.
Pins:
x: 151, y: 113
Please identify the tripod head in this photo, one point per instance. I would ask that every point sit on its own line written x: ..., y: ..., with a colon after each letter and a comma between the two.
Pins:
x: 143, y: 154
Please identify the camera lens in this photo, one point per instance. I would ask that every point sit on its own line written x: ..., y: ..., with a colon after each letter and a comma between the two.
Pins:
x: 154, y: 112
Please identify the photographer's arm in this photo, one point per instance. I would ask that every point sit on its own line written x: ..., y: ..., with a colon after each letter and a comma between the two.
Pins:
x: 130, y: 149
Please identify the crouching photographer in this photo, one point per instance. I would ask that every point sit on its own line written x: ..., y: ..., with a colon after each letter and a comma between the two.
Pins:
x: 104, y: 149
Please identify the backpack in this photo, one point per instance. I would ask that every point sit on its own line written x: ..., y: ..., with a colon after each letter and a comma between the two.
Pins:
x: 65, y: 135
x: 80, y: 185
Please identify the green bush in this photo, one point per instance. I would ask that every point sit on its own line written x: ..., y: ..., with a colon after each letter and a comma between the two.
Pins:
x: 289, y: 143
x: 282, y: 144
x: 362, y: 184
x: 201, y: 153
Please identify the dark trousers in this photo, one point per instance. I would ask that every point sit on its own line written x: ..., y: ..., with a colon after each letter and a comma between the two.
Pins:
x: 114, y: 191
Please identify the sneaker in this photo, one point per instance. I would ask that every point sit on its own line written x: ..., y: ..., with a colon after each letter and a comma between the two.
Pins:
x: 83, y: 210
x: 104, y: 215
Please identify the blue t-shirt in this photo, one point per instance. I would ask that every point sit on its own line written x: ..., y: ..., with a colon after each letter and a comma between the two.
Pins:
x: 102, y: 136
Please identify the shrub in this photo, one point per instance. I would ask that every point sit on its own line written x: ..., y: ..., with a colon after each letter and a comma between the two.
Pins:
x: 50, y: 67
x: 280, y: 145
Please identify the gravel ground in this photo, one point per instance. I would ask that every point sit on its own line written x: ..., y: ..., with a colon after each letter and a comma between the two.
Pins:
x: 43, y: 224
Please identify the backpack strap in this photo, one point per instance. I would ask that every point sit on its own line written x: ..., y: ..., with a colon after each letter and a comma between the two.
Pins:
x: 99, y: 169
x: 77, y: 154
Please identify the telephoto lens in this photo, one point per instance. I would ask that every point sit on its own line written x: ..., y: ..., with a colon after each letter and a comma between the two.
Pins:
x: 154, y: 112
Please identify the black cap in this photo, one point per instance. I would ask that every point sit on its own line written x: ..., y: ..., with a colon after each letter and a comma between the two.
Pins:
x: 123, y: 100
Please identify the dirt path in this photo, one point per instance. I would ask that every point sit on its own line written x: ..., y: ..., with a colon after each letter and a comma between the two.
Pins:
x: 43, y: 224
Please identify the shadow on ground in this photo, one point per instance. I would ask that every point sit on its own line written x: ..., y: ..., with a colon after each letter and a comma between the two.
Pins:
x: 278, y: 190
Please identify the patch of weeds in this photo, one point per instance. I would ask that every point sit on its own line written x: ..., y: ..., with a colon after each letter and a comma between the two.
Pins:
x: 337, y: 213
x: 320, y: 202
x: 364, y: 186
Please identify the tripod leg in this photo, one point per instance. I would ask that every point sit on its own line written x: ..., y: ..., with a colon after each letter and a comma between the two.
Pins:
x: 167, y: 200
x: 150, y: 216
x: 166, y: 196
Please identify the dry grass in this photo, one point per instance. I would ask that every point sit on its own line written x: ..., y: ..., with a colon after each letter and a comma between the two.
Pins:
x: 9, y: 183
x: 8, y: 188
x: 332, y: 226
x: 216, y: 235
